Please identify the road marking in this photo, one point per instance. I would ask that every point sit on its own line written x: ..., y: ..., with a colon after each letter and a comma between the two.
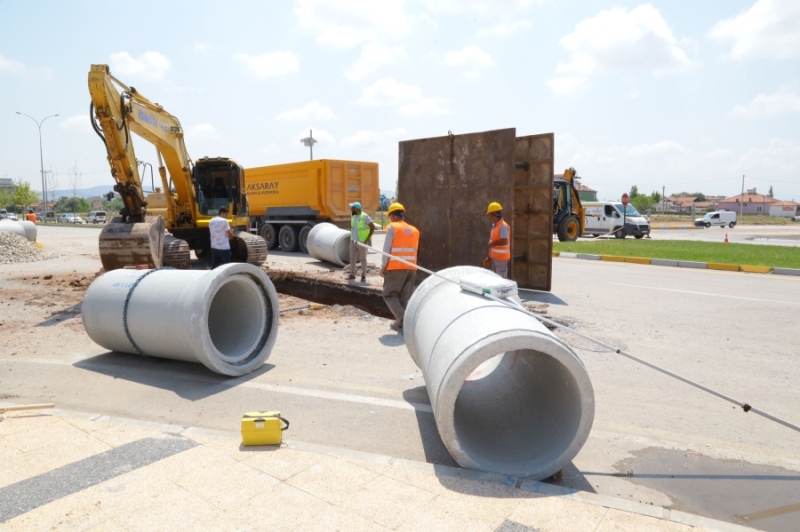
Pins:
x: 772, y: 512
x: 239, y: 382
x: 707, y: 294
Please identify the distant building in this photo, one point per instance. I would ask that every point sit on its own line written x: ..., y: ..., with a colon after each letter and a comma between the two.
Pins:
x: 749, y: 203
x: 584, y: 193
x: 7, y: 185
x: 784, y: 209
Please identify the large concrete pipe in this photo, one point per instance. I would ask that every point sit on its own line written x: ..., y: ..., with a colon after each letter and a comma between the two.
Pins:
x: 508, y: 396
x: 226, y: 319
x: 30, y: 229
x: 10, y: 226
x: 329, y: 243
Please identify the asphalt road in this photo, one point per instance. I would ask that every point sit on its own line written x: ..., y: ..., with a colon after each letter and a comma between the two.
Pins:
x: 775, y: 235
x: 347, y: 380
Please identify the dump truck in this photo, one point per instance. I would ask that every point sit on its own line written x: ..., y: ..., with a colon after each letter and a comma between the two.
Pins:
x: 287, y: 200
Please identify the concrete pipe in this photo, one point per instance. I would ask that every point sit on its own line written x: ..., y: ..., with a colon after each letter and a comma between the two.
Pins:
x: 10, y: 226
x: 226, y: 319
x: 508, y: 396
x: 329, y: 243
x: 30, y: 229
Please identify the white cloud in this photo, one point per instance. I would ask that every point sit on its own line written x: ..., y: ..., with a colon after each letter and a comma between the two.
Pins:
x: 778, y: 158
x: 18, y: 68
x: 507, y: 28
x: 373, y: 56
x: 782, y: 101
x: 619, y: 39
x: 372, y: 139
x: 202, y: 47
x: 152, y: 66
x: 408, y: 99
x: 310, y: 111
x: 770, y: 28
x: 269, y: 65
x: 202, y: 131
x: 663, y: 147
x: 79, y: 123
x: 477, y: 7
x: 471, y: 57
x: 347, y: 23
x: 11, y: 66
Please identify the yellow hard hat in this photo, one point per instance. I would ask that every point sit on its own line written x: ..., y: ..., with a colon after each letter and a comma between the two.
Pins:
x: 394, y: 207
x: 494, y: 207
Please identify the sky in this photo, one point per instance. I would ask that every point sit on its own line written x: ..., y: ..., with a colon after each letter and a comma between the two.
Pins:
x: 679, y: 94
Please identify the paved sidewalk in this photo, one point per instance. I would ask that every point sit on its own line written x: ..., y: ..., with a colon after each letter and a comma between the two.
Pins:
x: 72, y: 471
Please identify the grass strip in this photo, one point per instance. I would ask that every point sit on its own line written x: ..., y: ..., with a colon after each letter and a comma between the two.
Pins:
x: 715, y: 252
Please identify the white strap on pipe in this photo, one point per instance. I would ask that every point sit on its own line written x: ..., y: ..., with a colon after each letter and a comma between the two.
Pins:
x: 516, y: 306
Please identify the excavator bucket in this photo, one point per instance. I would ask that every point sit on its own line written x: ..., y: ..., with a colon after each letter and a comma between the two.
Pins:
x: 132, y: 244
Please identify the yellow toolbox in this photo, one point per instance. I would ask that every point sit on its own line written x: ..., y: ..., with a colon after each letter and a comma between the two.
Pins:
x: 263, y: 428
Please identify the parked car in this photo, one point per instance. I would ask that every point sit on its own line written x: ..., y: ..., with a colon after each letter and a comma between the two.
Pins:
x: 12, y: 216
x: 606, y: 218
x: 3, y: 214
x: 718, y: 218
x: 96, y: 217
x: 70, y: 218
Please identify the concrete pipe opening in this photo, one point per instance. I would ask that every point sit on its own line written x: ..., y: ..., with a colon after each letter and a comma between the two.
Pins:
x: 225, y: 319
x: 329, y: 243
x: 508, y: 396
x: 236, y: 318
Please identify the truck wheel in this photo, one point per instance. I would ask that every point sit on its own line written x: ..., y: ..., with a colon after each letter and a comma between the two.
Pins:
x: 270, y: 235
x: 568, y: 229
x: 637, y: 237
x: 708, y: 224
x: 303, y: 242
x: 620, y: 233
x: 287, y: 238
x: 731, y: 224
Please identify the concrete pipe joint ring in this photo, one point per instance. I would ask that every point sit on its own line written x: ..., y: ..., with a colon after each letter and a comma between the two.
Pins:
x: 225, y: 319
x: 508, y: 395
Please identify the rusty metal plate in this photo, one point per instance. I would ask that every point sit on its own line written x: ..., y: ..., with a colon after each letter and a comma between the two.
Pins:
x: 445, y: 183
x: 532, y: 227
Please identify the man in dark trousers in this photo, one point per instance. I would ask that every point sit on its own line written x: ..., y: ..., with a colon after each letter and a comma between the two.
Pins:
x: 221, y: 235
x: 402, y: 241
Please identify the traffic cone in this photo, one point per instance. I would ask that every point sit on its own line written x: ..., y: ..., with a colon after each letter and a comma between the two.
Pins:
x: 726, y: 238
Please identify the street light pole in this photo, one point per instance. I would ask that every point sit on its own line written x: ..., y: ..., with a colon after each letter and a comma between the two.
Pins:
x: 41, y: 163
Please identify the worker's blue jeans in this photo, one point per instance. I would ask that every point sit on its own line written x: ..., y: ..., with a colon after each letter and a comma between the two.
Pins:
x: 220, y: 257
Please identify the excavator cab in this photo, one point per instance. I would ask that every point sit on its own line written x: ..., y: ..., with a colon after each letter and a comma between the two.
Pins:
x: 219, y: 182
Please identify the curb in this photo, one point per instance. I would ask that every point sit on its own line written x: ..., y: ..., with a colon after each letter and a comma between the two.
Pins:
x: 682, y: 264
x: 534, y: 486
x: 668, y: 227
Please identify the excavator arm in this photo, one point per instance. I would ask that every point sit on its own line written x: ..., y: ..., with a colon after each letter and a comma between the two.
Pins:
x: 120, y: 110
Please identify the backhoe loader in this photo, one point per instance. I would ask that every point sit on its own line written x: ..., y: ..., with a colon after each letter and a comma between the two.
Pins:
x: 159, y: 229
x: 569, y: 216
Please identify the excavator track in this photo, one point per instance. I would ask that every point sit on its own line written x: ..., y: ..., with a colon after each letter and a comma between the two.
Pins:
x: 176, y: 253
x: 248, y: 248
x: 124, y: 244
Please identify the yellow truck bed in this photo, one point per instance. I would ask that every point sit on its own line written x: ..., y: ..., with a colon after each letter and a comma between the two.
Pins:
x: 322, y: 189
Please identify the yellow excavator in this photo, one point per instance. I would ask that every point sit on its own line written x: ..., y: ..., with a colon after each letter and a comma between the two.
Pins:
x: 160, y: 229
x: 569, y: 216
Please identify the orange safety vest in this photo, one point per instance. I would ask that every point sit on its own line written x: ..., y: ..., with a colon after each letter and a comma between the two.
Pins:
x: 405, y: 243
x: 31, y: 217
x: 500, y: 252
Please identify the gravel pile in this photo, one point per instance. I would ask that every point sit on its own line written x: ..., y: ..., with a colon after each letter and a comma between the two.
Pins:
x: 14, y: 248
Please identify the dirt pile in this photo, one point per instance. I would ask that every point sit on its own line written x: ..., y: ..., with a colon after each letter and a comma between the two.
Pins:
x: 14, y: 249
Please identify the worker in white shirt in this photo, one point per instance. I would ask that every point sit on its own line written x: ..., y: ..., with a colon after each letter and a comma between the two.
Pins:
x: 221, y: 235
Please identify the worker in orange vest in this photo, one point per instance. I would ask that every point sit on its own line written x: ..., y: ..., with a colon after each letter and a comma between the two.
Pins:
x: 499, y: 240
x: 30, y: 216
x: 402, y: 241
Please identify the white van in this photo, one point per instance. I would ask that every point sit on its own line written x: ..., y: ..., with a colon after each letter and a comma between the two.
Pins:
x: 606, y: 218
x: 719, y: 218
